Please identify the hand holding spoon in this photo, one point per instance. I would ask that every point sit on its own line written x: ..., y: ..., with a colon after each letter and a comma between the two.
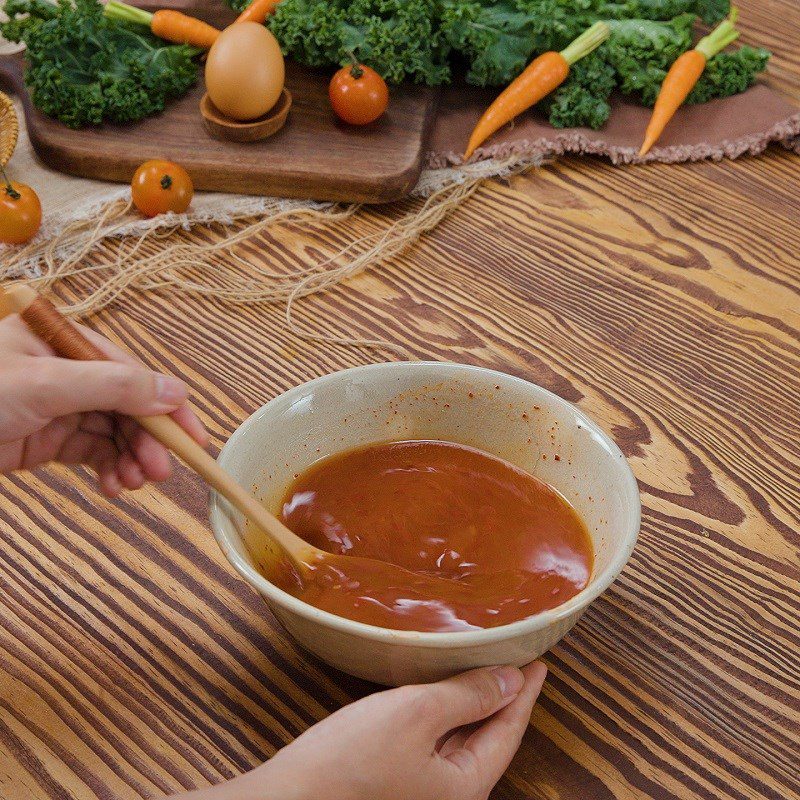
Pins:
x: 332, y: 574
x: 49, y: 325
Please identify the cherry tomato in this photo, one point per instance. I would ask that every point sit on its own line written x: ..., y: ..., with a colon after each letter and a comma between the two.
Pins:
x: 358, y: 94
x: 160, y: 186
x: 20, y: 213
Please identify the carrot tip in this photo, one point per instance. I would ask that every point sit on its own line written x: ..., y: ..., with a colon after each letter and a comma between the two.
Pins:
x: 646, y: 145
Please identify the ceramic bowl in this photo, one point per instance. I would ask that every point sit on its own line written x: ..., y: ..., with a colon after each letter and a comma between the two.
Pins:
x: 500, y: 414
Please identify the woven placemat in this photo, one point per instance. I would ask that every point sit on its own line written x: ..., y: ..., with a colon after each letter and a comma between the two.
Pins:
x: 9, y: 129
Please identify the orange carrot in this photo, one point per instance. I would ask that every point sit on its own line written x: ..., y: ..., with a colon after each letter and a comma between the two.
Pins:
x: 183, y: 29
x: 258, y: 11
x: 173, y: 26
x: 682, y: 77
x: 540, y: 77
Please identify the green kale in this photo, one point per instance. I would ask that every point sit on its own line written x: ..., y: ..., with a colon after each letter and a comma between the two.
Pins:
x: 499, y: 38
x: 491, y: 42
x: 497, y: 41
x: 309, y: 30
x: 710, y: 11
x: 83, y: 68
x: 399, y: 38
x: 582, y: 100
x: 641, y: 50
x: 576, y: 107
x: 729, y: 73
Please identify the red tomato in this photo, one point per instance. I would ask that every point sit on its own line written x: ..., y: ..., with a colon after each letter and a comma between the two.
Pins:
x: 160, y: 186
x: 20, y: 213
x: 358, y: 94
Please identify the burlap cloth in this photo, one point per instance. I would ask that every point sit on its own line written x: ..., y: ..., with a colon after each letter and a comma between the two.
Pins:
x: 728, y: 128
x: 744, y: 124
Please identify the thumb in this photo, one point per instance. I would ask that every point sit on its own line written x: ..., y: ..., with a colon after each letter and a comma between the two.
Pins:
x: 473, y: 696
x: 56, y: 387
x: 486, y: 753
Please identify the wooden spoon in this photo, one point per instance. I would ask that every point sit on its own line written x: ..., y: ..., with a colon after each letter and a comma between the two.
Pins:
x: 49, y: 325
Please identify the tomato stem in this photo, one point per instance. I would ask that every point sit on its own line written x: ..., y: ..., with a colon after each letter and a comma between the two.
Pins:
x: 10, y: 190
x: 166, y: 182
x: 355, y: 71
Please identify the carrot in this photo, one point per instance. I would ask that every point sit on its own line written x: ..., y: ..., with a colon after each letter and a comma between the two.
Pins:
x: 173, y: 26
x: 183, y: 29
x: 544, y: 74
x: 683, y: 75
x: 258, y: 11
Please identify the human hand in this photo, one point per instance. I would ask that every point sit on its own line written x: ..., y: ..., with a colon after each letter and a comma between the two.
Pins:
x: 54, y: 409
x: 450, y: 740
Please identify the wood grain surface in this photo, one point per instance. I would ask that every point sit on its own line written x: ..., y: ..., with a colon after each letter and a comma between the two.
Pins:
x: 663, y: 300
x: 314, y: 155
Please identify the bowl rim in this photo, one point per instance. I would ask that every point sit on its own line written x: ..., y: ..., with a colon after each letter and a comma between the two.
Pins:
x: 225, y: 529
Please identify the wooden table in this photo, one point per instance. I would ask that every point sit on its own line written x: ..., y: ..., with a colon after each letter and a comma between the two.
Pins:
x: 662, y: 300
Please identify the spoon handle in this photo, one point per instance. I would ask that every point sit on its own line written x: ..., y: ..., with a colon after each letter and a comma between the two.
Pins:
x: 42, y: 317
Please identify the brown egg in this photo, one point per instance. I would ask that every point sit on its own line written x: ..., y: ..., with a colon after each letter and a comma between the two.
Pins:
x: 245, y: 71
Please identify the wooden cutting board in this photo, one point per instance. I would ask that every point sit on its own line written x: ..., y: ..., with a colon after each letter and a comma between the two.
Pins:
x: 314, y: 156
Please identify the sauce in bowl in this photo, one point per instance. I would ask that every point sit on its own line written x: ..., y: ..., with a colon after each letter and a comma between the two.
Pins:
x: 475, y: 541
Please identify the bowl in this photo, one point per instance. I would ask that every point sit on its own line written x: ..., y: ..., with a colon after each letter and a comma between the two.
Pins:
x: 500, y: 414
x: 222, y: 127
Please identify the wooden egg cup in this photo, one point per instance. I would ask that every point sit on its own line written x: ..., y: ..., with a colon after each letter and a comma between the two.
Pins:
x: 221, y: 127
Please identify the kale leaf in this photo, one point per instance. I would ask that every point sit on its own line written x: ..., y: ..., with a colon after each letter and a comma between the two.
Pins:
x: 729, y: 73
x: 497, y: 41
x: 710, y: 11
x: 641, y: 51
x: 582, y: 100
x: 400, y: 38
x: 499, y: 38
x: 83, y: 68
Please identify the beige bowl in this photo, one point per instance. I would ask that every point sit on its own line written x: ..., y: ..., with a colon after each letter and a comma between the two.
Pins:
x: 500, y: 414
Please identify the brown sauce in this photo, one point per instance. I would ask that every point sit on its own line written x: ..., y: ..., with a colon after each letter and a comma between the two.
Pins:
x: 480, y: 542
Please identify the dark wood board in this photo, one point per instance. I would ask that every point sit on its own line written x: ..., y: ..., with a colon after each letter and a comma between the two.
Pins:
x: 314, y: 156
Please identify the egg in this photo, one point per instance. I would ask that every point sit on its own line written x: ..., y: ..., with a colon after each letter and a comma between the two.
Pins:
x: 245, y: 71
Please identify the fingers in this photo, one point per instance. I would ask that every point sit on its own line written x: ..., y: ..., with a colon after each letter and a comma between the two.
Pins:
x: 95, y: 422
x: 455, y: 740
x: 183, y: 415
x: 99, y: 452
x: 152, y: 457
x: 188, y: 420
x: 85, y: 447
x: 23, y: 340
x: 28, y: 343
x: 124, y: 385
x: 489, y: 750
x: 105, y: 465
x: 55, y: 387
x: 129, y: 472
x: 470, y: 697
x: 111, y: 351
